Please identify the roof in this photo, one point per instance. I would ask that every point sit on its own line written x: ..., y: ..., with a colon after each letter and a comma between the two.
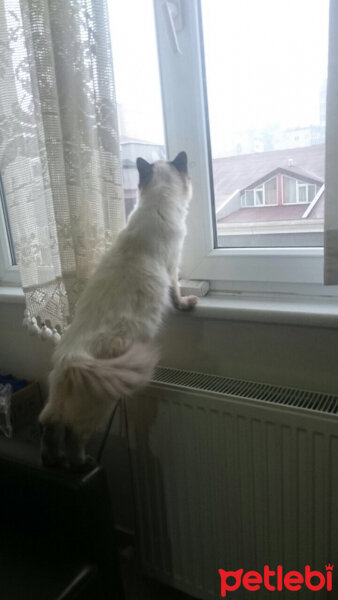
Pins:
x: 240, y: 172
x: 266, y: 213
x: 301, y: 173
x: 284, y: 212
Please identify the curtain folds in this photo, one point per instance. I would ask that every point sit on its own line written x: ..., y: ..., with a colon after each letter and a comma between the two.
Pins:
x: 59, y: 147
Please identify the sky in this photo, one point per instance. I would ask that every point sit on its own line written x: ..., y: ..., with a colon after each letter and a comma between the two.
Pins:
x: 266, y: 61
x: 136, y: 71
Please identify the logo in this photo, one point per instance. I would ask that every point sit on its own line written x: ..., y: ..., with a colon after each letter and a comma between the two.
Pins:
x: 277, y: 580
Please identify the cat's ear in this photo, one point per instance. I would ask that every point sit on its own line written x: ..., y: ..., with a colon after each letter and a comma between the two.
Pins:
x: 181, y: 162
x: 145, y: 170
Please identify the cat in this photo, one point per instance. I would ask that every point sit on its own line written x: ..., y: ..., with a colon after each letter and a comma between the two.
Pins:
x: 108, y: 351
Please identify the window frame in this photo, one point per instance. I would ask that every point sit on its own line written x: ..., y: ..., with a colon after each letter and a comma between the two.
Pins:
x: 186, y: 127
x: 9, y: 272
x: 261, y: 187
x: 299, y: 183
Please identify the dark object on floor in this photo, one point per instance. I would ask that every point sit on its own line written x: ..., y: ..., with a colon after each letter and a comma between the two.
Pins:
x: 56, y: 531
x: 15, y: 383
x: 19, y: 414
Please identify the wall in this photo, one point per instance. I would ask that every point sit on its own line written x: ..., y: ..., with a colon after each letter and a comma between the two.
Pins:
x: 304, y: 357
x: 301, y: 357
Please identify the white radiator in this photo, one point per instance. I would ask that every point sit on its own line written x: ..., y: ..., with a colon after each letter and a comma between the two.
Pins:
x: 232, y: 474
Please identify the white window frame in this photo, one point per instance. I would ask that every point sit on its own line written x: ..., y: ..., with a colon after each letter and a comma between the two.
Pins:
x: 244, y: 200
x: 9, y: 273
x: 185, y: 115
x: 255, y: 190
x: 299, y: 184
x: 264, y: 184
x: 255, y: 200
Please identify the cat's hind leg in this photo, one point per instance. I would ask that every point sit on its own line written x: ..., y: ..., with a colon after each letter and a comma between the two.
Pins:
x: 75, y: 446
x: 52, y: 444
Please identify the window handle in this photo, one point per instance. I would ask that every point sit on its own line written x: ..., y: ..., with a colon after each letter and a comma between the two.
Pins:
x: 173, y: 17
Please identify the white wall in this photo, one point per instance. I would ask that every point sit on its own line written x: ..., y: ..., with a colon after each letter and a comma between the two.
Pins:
x: 296, y: 356
x: 21, y: 354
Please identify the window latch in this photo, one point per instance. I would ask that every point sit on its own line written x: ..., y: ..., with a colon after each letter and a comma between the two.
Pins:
x: 173, y: 16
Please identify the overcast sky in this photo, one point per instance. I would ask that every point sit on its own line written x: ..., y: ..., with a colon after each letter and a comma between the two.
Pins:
x: 136, y: 68
x: 266, y: 61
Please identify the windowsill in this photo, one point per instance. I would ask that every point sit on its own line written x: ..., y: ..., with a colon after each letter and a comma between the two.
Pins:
x: 270, y: 308
x: 273, y: 308
x: 11, y: 295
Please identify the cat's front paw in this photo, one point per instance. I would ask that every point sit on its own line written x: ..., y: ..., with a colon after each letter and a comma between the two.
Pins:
x: 187, y: 302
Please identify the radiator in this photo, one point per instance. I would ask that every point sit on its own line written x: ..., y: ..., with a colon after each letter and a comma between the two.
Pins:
x: 232, y: 474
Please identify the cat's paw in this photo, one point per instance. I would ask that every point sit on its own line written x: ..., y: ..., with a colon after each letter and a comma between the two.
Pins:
x: 187, y: 302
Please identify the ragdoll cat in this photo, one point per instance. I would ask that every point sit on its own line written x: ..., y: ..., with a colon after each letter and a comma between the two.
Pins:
x: 108, y: 352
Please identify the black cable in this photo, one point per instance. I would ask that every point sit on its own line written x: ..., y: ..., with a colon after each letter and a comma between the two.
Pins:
x: 107, y: 430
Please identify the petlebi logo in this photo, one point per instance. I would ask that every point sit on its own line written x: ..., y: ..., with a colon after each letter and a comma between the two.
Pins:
x: 276, y: 580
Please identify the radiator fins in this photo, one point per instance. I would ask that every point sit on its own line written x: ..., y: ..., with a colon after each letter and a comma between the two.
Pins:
x: 324, y: 403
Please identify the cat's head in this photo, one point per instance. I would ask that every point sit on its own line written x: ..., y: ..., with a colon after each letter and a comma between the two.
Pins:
x: 171, y: 177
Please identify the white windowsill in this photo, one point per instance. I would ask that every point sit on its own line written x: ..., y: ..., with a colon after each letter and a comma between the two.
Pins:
x: 11, y: 295
x: 274, y: 308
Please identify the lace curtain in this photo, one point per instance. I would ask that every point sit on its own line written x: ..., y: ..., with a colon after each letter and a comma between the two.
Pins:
x: 59, y: 148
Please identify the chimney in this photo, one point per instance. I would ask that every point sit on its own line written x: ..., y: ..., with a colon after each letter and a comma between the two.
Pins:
x: 290, y: 162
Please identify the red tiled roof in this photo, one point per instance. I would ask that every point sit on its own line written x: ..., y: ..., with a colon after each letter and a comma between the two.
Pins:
x: 239, y: 172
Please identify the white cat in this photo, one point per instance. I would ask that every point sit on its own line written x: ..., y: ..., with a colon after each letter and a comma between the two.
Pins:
x: 108, y: 350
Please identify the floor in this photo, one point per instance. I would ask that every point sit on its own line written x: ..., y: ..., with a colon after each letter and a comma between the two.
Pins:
x: 139, y: 587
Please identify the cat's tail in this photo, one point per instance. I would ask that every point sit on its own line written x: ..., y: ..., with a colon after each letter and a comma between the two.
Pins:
x: 85, y: 380
x: 82, y: 391
x: 115, y: 377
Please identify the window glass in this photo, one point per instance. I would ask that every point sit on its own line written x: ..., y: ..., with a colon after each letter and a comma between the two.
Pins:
x: 289, y: 190
x: 7, y: 229
x: 249, y: 198
x: 311, y: 192
x: 259, y: 196
x: 302, y: 194
x: 138, y: 91
x: 266, y: 94
x: 271, y: 192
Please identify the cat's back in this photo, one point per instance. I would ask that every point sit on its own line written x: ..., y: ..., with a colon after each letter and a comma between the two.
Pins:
x: 127, y: 296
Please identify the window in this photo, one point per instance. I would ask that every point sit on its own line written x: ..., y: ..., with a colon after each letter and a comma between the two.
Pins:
x: 244, y: 96
x: 271, y: 192
x: 298, y: 192
x: 265, y: 103
x: 8, y: 270
x: 265, y: 195
x: 138, y: 89
x: 248, y: 198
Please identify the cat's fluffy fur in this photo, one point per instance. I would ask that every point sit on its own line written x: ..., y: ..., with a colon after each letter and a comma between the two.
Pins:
x: 108, y: 351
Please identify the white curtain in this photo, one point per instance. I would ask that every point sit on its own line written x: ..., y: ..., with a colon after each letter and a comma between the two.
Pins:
x: 59, y: 147
x: 331, y: 159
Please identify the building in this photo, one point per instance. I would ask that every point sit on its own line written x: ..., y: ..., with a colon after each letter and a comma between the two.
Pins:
x: 131, y: 148
x: 268, y: 194
x: 299, y: 137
